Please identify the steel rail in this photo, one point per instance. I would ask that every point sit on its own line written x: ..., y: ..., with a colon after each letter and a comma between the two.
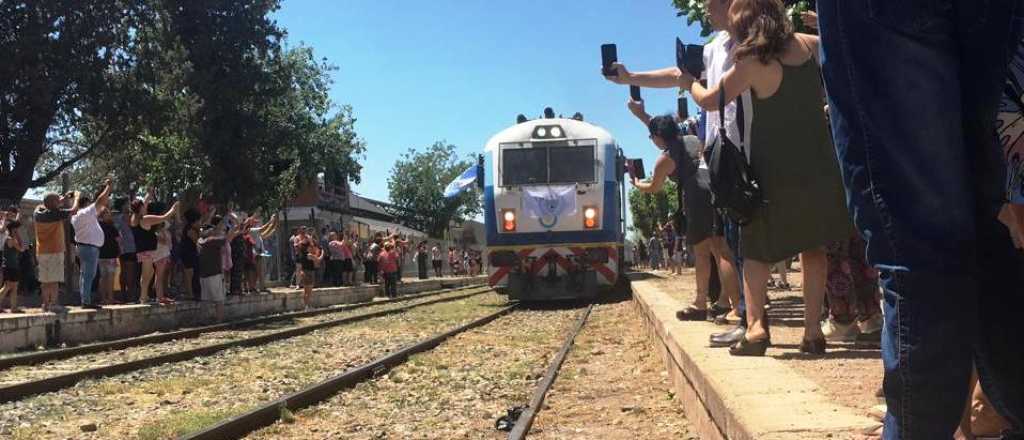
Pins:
x: 19, y: 391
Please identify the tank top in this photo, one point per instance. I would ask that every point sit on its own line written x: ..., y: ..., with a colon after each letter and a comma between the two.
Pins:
x: 145, y: 240
x: 11, y: 256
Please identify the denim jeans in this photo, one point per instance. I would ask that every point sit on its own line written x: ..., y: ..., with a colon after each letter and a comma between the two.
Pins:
x: 913, y: 92
x: 88, y: 257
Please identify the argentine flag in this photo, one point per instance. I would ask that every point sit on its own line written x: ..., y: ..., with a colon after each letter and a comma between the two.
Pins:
x: 465, y: 180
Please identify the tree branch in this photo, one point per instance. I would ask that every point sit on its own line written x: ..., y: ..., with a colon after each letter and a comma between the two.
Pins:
x: 46, y: 178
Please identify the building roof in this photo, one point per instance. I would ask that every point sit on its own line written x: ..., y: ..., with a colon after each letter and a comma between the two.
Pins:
x: 357, y: 202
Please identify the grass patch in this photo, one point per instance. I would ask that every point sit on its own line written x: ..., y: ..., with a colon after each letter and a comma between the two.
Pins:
x: 176, y: 425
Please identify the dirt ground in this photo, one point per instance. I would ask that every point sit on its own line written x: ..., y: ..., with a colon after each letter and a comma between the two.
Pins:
x: 612, y: 385
x: 847, y: 374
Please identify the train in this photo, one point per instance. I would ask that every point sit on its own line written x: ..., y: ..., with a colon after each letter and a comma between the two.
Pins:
x: 554, y: 204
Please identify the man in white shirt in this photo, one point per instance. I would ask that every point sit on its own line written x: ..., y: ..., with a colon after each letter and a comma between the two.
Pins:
x: 717, y: 61
x: 89, y: 238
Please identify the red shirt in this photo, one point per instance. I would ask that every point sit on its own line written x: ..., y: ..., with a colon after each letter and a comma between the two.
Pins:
x: 388, y: 261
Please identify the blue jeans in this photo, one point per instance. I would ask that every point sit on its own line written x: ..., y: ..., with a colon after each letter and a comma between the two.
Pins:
x: 913, y: 90
x: 88, y: 257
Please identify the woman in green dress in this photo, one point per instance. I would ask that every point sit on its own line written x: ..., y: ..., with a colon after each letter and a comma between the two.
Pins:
x: 793, y: 159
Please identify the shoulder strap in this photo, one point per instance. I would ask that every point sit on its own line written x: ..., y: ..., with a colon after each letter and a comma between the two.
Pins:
x: 741, y: 122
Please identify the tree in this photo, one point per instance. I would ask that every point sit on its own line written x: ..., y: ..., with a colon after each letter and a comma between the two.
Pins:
x: 417, y: 183
x: 648, y: 209
x: 58, y: 58
x: 695, y: 12
x: 215, y: 106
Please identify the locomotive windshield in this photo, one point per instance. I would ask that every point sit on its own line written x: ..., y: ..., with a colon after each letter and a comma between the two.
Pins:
x: 541, y: 164
x: 571, y: 164
x: 524, y: 166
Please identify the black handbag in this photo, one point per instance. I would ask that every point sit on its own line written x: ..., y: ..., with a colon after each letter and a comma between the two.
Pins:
x: 734, y: 190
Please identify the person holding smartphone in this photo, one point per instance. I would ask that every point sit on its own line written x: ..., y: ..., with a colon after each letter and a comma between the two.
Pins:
x: 717, y: 61
x: 679, y: 161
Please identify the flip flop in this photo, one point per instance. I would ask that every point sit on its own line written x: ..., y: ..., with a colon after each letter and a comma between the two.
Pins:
x: 691, y: 313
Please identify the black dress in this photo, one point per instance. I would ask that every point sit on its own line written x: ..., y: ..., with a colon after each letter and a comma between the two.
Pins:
x: 700, y: 215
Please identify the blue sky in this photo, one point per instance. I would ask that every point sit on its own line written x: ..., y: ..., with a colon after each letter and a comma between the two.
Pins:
x: 416, y: 72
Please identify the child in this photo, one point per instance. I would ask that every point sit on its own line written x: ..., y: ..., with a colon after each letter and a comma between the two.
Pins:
x: 387, y: 261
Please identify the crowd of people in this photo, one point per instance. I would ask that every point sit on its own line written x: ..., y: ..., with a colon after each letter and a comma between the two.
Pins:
x: 156, y: 254
x: 875, y: 148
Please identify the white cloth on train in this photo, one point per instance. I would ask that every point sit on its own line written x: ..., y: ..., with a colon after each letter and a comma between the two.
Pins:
x: 549, y: 201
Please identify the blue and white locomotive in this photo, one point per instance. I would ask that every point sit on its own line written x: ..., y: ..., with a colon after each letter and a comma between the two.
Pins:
x: 553, y: 209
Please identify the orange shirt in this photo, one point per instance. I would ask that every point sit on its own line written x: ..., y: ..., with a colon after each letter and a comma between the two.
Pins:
x: 49, y: 227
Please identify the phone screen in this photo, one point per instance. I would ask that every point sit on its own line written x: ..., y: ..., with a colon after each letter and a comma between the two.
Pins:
x: 683, y: 109
x: 634, y: 92
x: 609, y: 55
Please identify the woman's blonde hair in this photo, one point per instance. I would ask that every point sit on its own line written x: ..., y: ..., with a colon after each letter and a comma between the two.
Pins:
x: 760, y: 28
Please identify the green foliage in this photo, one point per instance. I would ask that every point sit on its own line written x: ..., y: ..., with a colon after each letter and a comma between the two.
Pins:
x: 416, y: 187
x: 695, y: 12
x: 648, y: 209
x: 199, y: 97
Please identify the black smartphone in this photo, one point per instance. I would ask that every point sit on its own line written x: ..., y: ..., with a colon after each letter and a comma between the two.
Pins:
x: 609, y: 55
x: 636, y: 168
x: 695, y: 59
x: 690, y: 58
x: 634, y: 92
x: 682, y: 108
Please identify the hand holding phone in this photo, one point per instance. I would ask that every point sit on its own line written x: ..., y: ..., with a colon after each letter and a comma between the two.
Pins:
x: 609, y: 55
x: 634, y: 92
x: 690, y: 58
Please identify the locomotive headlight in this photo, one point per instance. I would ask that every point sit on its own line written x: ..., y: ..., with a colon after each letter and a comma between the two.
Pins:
x: 590, y: 217
x: 542, y: 132
x: 556, y: 132
x: 508, y: 220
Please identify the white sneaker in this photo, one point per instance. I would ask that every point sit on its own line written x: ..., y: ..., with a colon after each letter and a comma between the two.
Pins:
x: 836, y: 332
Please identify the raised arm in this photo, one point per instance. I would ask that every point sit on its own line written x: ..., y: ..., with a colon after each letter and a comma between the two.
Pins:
x: 666, y: 78
x: 737, y: 80
x: 104, y: 196
x: 270, y: 228
x: 662, y: 169
x: 638, y: 110
x: 149, y: 220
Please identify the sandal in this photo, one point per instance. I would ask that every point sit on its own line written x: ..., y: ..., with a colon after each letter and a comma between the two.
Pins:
x: 746, y: 347
x: 691, y: 313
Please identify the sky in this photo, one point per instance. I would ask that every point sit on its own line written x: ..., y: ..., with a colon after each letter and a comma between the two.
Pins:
x: 417, y: 72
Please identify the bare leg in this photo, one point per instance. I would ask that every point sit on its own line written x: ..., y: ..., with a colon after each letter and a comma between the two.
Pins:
x: 12, y: 288
x: 160, y: 268
x: 147, y: 278
x: 702, y: 252
x: 814, y: 264
x: 726, y: 273
x: 755, y: 285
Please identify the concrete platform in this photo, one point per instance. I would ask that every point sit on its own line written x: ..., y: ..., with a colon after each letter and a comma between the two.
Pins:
x: 79, y: 326
x: 732, y: 398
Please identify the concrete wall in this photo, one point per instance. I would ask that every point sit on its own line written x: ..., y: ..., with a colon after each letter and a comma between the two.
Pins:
x: 18, y: 332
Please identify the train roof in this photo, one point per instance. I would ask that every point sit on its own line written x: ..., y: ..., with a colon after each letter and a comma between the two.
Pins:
x: 573, y: 129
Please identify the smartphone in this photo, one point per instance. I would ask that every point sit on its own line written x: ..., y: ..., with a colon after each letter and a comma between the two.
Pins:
x: 636, y: 168
x: 609, y: 55
x: 690, y: 58
x: 634, y: 92
x: 682, y: 108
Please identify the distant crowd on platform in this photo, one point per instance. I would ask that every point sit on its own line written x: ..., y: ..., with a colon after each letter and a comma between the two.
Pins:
x: 156, y: 254
x: 889, y: 157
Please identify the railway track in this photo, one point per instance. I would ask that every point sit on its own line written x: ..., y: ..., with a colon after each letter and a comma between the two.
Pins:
x: 49, y: 371
x: 498, y: 387
x: 159, y: 403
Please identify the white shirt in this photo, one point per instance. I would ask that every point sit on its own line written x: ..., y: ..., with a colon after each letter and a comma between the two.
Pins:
x: 87, y: 226
x: 717, y: 61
